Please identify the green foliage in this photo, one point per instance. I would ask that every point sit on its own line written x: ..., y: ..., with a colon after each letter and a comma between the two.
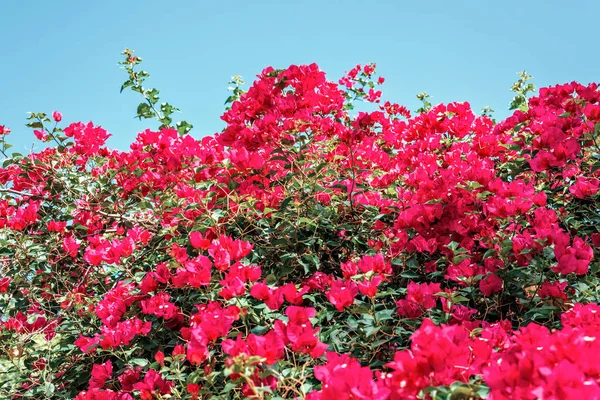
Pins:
x: 150, y: 108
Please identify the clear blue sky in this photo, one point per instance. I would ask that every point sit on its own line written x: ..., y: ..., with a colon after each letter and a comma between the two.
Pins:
x: 62, y: 55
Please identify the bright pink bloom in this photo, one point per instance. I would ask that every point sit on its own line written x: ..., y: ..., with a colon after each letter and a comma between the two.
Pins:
x: 424, y: 294
x: 369, y: 287
x: 490, y: 285
x: 575, y: 258
x: 160, y: 306
x: 159, y: 357
x: 344, y: 378
x: 100, y: 374
x: 292, y: 295
x: 584, y: 187
x: 273, y: 298
x: 129, y: 378
x: 153, y: 383
x: 408, y: 309
x: 342, y: 293
x: 269, y: 346
x: 198, y: 241
x: 555, y: 290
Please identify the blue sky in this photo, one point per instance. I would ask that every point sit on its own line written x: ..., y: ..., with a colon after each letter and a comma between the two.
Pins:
x: 62, y: 55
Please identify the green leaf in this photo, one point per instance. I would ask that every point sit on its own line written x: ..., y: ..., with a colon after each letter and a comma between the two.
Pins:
x: 371, y: 330
x: 152, y: 95
x: 145, y: 111
x: 126, y: 85
x: 183, y: 127
x: 35, y: 125
x: 142, y: 362
x: 49, y: 389
x: 284, y: 203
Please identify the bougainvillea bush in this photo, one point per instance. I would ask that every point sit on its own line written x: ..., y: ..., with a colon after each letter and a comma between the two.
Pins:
x: 314, y: 249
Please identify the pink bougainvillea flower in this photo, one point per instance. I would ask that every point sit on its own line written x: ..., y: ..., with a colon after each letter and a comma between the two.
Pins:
x: 342, y: 293
x: 584, y: 187
x: 100, y: 374
x: 490, y: 285
x: 575, y: 258
x: 153, y: 383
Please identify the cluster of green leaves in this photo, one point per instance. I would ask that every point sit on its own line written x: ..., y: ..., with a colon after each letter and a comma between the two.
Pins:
x: 150, y: 107
x: 522, y: 88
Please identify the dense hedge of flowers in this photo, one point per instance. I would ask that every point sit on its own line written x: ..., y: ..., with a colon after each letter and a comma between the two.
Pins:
x: 307, y: 251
